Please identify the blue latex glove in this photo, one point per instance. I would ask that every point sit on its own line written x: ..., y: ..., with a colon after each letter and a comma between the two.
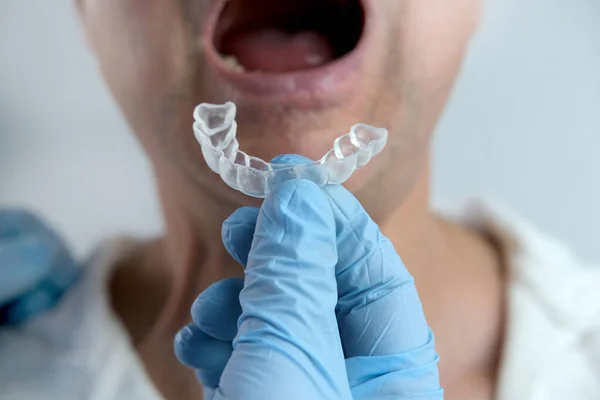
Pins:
x: 35, y: 267
x: 388, y: 349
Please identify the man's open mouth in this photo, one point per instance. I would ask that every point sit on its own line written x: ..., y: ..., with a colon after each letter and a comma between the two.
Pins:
x: 268, y: 46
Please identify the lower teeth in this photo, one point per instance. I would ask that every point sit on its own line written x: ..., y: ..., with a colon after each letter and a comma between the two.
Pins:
x: 233, y: 63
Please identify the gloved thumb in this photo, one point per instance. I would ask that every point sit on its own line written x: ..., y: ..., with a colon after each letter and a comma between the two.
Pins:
x: 388, y: 344
x: 377, y: 294
x: 379, y: 310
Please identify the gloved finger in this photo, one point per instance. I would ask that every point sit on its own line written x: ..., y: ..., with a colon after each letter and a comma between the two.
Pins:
x: 207, y: 355
x: 206, y: 344
x: 287, y: 331
x: 217, y: 309
x: 243, y: 222
x: 379, y: 311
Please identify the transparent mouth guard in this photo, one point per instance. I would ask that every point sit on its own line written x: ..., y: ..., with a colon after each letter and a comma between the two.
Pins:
x: 215, y: 129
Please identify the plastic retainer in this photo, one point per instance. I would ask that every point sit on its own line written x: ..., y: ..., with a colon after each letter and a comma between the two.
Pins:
x: 215, y: 129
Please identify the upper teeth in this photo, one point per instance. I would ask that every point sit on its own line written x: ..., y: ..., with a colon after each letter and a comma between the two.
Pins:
x: 233, y: 63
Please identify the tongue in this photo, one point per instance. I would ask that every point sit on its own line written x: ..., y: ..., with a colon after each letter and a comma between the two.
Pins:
x: 272, y: 50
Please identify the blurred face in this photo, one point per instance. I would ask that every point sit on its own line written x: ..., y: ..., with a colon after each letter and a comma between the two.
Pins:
x: 301, y: 72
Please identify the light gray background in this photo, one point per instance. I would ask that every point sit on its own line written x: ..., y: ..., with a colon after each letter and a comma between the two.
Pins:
x: 523, y: 125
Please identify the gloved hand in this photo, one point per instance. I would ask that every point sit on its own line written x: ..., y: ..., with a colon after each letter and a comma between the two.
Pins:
x: 289, y: 301
x: 35, y: 267
x: 287, y: 345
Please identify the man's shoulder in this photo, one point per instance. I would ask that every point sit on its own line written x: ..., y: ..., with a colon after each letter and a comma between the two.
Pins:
x: 532, y: 258
x: 539, y: 263
x: 552, y: 334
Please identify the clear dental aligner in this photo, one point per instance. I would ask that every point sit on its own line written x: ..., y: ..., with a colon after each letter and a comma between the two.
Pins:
x: 215, y: 129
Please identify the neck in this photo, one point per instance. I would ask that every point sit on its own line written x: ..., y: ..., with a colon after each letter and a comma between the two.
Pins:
x: 194, y: 255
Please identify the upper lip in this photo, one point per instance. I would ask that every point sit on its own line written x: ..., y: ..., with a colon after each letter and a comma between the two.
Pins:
x: 322, y: 81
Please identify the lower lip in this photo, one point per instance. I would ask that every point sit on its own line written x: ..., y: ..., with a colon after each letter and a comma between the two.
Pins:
x: 326, y: 80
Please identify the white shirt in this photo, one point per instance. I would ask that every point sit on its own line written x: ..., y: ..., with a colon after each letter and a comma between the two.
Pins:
x: 80, y: 350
